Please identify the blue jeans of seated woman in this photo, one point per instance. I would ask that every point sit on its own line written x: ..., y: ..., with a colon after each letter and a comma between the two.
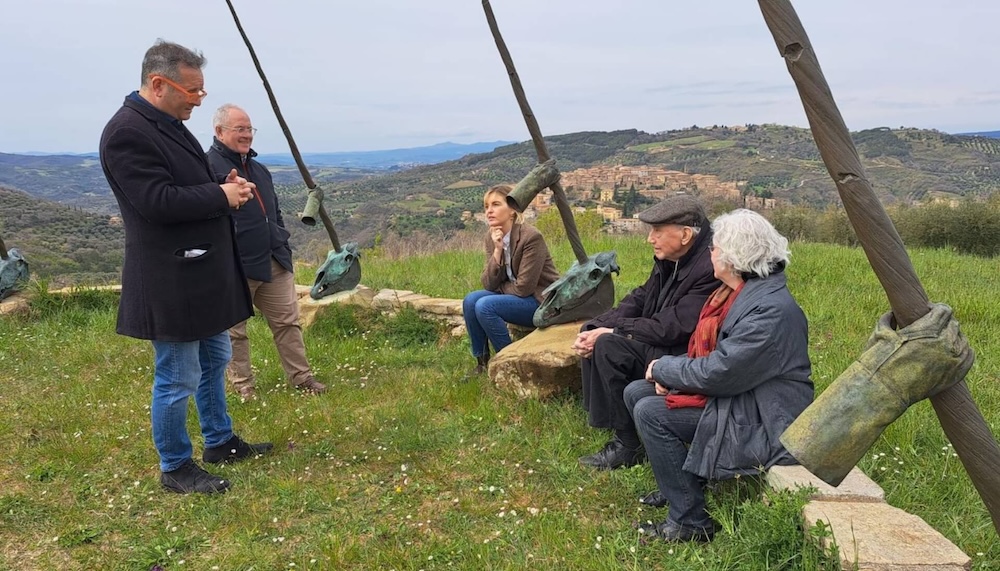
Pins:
x: 487, y: 314
x: 184, y: 369
x: 666, y: 434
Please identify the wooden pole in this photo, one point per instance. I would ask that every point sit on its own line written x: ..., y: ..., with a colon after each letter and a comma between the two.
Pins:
x: 536, y: 137
x: 303, y: 170
x: 960, y: 418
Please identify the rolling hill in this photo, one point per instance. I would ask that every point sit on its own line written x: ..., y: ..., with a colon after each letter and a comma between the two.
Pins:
x: 904, y: 165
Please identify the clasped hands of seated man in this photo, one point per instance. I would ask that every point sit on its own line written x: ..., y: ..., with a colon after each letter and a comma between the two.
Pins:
x: 585, y: 340
x: 238, y: 189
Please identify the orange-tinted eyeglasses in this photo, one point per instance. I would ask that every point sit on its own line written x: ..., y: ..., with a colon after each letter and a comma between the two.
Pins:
x: 194, y: 96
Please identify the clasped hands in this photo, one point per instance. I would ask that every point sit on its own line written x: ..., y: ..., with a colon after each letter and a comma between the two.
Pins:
x: 660, y: 389
x: 238, y: 189
x: 585, y: 340
x: 584, y: 347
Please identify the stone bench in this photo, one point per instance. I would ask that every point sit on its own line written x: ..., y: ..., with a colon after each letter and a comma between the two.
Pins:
x: 869, y: 533
x: 540, y: 364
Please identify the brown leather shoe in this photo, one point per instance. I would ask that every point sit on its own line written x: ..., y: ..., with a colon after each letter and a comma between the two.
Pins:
x: 247, y: 392
x: 312, y: 386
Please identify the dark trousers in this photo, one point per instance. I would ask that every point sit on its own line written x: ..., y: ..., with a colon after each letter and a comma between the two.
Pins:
x: 615, y: 362
x: 666, y: 434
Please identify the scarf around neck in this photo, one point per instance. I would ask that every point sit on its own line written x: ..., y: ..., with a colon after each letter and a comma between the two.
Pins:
x: 704, y: 339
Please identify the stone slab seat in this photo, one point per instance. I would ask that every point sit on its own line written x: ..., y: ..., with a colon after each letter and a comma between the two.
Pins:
x: 310, y: 309
x: 15, y: 304
x: 856, y: 487
x: 540, y: 364
x: 878, y: 537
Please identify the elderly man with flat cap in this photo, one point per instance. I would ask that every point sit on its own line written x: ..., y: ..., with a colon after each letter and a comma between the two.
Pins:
x: 655, y: 319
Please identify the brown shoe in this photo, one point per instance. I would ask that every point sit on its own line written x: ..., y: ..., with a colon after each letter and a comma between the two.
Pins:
x: 312, y: 386
x: 247, y: 392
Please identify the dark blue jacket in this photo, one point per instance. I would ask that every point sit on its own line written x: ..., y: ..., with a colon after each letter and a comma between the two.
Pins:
x: 260, y: 230
x: 757, y: 381
x: 171, y: 204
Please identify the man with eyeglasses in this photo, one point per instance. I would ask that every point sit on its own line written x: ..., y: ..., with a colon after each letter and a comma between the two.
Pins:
x: 266, y: 256
x: 182, y: 282
x: 655, y: 319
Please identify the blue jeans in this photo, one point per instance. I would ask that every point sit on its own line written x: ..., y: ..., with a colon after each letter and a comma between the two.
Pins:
x: 487, y: 314
x: 666, y: 434
x: 183, y: 369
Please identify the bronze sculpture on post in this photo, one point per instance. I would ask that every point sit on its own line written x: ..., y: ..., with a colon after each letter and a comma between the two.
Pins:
x: 13, y: 270
x: 342, y: 269
x: 908, y: 378
x: 586, y: 290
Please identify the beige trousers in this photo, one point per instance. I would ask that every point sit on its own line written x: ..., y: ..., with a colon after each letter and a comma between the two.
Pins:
x: 279, y: 304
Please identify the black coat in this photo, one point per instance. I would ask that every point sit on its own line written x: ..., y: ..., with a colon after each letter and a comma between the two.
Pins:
x: 171, y: 204
x: 663, y: 311
x: 260, y: 230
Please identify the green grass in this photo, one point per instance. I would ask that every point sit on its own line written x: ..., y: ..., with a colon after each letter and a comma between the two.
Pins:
x: 402, y: 466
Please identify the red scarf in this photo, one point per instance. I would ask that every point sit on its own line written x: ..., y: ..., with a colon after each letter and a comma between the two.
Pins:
x: 704, y: 338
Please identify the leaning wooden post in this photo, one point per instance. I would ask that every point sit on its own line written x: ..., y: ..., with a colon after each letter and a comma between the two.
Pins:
x: 536, y: 137
x: 960, y: 418
x: 315, y: 201
x: 3, y: 250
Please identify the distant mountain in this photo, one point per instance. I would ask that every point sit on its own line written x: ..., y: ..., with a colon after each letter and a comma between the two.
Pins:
x: 990, y: 134
x: 78, y: 180
x: 392, y: 158
x: 904, y: 166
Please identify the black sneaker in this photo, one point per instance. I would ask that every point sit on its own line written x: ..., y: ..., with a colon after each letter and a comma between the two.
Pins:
x: 234, y: 451
x: 653, y: 499
x: 614, y: 455
x: 190, y: 477
x: 675, y: 533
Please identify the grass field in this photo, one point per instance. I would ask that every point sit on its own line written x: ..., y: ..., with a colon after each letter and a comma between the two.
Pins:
x: 403, y: 466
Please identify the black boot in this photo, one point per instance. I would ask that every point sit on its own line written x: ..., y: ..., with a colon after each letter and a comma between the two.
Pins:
x: 482, y: 365
x: 614, y: 455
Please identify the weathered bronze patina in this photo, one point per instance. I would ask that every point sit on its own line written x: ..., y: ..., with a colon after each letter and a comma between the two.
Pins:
x: 314, y: 202
x: 538, y: 179
x: 13, y: 270
x: 585, y: 291
x: 340, y: 272
x: 960, y: 418
x: 898, y: 368
x: 585, y: 304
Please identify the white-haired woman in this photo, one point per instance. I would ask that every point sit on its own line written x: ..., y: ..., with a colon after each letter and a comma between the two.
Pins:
x: 718, y: 411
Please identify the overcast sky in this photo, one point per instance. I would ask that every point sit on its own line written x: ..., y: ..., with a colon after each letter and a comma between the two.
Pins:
x: 382, y: 74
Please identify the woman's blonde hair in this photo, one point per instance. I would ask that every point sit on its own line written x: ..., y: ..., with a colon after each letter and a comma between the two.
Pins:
x: 502, y: 190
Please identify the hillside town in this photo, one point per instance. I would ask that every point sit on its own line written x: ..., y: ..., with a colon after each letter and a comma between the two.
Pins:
x: 607, y: 184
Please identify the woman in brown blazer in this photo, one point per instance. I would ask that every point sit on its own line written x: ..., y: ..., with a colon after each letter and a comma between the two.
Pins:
x: 518, y: 267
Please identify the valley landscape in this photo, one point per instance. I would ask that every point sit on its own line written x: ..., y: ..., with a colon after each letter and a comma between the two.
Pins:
x: 53, y: 207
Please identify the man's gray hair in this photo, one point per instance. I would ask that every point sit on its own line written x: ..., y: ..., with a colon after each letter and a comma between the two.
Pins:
x: 221, y: 114
x: 165, y: 58
x: 748, y: 242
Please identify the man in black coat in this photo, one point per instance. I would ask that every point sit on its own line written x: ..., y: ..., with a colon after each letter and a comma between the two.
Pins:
x: 655, y: 319
x: 182, y: 284
x: 266, y: 256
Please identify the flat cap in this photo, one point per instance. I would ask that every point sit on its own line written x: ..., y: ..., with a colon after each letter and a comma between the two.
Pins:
x: 682, y: 209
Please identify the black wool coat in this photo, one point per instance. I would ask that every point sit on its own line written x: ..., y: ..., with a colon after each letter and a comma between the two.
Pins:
x: 260, y: 230
x: 181, y: 279
x: 664, y: 311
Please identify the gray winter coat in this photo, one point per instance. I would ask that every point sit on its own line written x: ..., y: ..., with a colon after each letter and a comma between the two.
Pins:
x: 757, y: 379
